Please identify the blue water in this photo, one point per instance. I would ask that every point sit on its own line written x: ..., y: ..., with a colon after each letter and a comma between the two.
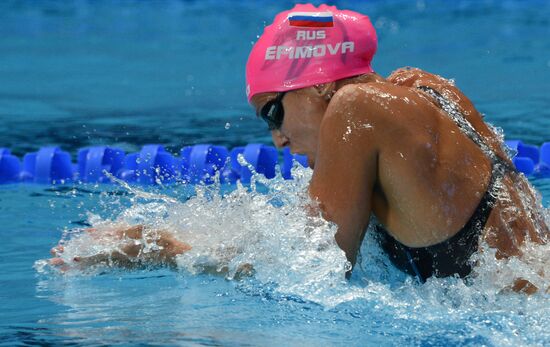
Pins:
x: 128, y: 73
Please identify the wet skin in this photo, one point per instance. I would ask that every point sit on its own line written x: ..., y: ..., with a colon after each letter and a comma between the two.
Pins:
x: 381, y: 146
x: 385, y: 147
x: 130, y: 254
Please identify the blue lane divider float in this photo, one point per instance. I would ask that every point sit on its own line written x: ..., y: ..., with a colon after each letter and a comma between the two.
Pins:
x: 544, y: 164
x: 288, y: 162
x: 152, y: 165
x: 48, y: 165
x: 262, y: 158
x: 198, y: 163
x: 94, y: 161
x: 10, y: 167
x: 530, y: 159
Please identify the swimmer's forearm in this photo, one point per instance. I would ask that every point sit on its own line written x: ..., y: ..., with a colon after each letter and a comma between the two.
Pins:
x: 133, y: 255
x: 114, y: 259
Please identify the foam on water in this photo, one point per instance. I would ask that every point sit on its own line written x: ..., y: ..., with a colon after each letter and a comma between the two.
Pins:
x: 293, y: 254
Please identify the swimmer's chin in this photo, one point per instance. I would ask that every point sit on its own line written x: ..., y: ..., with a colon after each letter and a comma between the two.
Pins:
x: 311, y: 162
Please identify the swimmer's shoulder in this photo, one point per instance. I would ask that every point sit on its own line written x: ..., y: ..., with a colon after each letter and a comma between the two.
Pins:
x: 375, y: 115
x: 353, y: 102
x: 379, y: 102
x: 414, y: 78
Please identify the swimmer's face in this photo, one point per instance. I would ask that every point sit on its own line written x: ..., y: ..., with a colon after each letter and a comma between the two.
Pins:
x: 303, y: 112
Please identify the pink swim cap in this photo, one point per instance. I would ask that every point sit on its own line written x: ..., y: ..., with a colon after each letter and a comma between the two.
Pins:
x: 306, y: 46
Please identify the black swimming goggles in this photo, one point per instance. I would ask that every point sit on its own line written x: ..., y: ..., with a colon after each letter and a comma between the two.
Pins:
x: 273, y: 112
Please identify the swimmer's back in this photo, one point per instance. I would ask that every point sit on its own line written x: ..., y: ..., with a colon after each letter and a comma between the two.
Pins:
x: 431, y: 176
x: 517, y: 214
x: 422, y: 193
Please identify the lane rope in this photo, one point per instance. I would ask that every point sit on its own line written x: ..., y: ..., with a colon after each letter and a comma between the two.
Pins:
x: 195, y: 164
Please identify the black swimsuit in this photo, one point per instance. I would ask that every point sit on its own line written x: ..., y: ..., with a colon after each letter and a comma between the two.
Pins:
x: 451, y: 256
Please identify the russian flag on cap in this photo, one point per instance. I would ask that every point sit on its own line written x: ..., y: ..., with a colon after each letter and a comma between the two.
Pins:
x: 311, y: 19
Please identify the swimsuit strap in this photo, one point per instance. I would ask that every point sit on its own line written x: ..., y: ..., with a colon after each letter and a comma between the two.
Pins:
x: 466, y: 127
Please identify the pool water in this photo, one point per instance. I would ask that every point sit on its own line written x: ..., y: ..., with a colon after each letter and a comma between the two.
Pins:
x: 128, y: 73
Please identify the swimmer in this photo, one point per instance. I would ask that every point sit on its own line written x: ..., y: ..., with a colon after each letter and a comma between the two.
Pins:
x: 409, y: 149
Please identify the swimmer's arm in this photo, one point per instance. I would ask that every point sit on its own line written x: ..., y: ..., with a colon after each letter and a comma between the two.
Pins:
x: 131, y: 254
x: 168, y: 249
x: 344, y: 176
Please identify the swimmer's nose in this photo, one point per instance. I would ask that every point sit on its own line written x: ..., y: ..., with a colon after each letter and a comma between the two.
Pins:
x: 279, y: 140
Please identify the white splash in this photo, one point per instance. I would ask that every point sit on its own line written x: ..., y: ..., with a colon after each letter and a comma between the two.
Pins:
x: 267, y: 227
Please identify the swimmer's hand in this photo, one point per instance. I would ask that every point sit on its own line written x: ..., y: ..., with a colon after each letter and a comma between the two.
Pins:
x: 143, y: 247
